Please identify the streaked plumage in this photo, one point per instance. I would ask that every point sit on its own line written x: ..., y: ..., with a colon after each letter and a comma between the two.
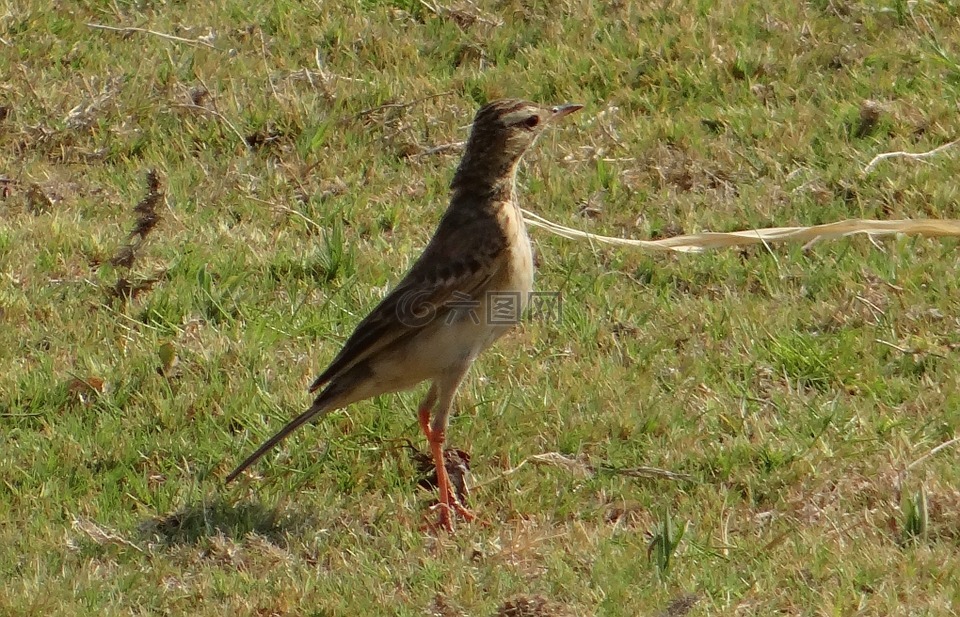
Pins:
x: 426, y: 328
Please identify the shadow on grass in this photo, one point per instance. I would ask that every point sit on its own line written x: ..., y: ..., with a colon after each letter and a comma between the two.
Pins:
x: 232, y: 520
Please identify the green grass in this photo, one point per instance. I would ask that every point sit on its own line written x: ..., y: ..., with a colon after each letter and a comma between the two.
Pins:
x: 792, y: 386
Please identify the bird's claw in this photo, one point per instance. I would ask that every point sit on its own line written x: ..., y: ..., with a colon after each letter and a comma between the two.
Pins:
x: 445, y: 520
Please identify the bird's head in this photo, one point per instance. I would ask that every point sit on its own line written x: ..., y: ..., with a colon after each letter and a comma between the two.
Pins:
x: 503, y: 131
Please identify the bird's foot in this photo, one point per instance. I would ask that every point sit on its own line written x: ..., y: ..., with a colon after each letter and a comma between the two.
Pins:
x: 447, y: 514
x: 444, y: 521
x: 462, y: 512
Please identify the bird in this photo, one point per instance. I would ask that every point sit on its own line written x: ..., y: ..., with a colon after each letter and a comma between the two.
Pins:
x: 461, y: 295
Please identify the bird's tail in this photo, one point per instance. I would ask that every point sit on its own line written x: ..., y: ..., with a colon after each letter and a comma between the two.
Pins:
x: 321, y: 406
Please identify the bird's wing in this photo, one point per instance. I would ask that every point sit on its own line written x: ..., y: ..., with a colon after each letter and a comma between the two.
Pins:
x: 465, y: 253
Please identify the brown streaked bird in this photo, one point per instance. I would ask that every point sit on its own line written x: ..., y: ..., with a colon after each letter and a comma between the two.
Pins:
x: 437, y: 320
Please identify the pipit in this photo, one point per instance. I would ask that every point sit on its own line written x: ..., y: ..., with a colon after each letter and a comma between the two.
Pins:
x: 437, y: 320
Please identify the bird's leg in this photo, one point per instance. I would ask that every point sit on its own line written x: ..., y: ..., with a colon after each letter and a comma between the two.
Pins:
x: 439, y: 400
x: 443, y: 481
x: 436, y: 449
x: 423, y: 414
x: 448, y: 496
x: 446, y: 390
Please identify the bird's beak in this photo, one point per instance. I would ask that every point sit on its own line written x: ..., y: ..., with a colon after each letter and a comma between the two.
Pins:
x: 562, y: 110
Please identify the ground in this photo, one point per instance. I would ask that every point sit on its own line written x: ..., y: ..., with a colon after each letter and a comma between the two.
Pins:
x: 196, y: 213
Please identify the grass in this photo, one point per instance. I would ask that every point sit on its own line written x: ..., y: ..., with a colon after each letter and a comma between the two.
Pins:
x: 302, y: 152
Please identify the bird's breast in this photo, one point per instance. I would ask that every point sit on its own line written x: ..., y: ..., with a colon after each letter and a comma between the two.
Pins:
x: 518, y: 273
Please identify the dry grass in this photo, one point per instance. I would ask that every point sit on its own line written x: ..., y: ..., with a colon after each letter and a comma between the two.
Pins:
x: 695, y: 243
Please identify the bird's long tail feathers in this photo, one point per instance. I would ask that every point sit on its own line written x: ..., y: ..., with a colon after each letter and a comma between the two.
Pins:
x: 319, y: 409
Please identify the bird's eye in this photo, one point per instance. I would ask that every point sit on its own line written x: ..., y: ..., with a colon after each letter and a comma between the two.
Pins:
x: 531, y: 122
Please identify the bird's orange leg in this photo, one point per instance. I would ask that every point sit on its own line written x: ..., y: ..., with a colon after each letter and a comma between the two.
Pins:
x: 448, y: 498
x: 424, y: 416
x: 440, y: 397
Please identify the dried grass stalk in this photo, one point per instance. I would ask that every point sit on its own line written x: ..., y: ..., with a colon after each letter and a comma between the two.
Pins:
x: 697, y: 243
